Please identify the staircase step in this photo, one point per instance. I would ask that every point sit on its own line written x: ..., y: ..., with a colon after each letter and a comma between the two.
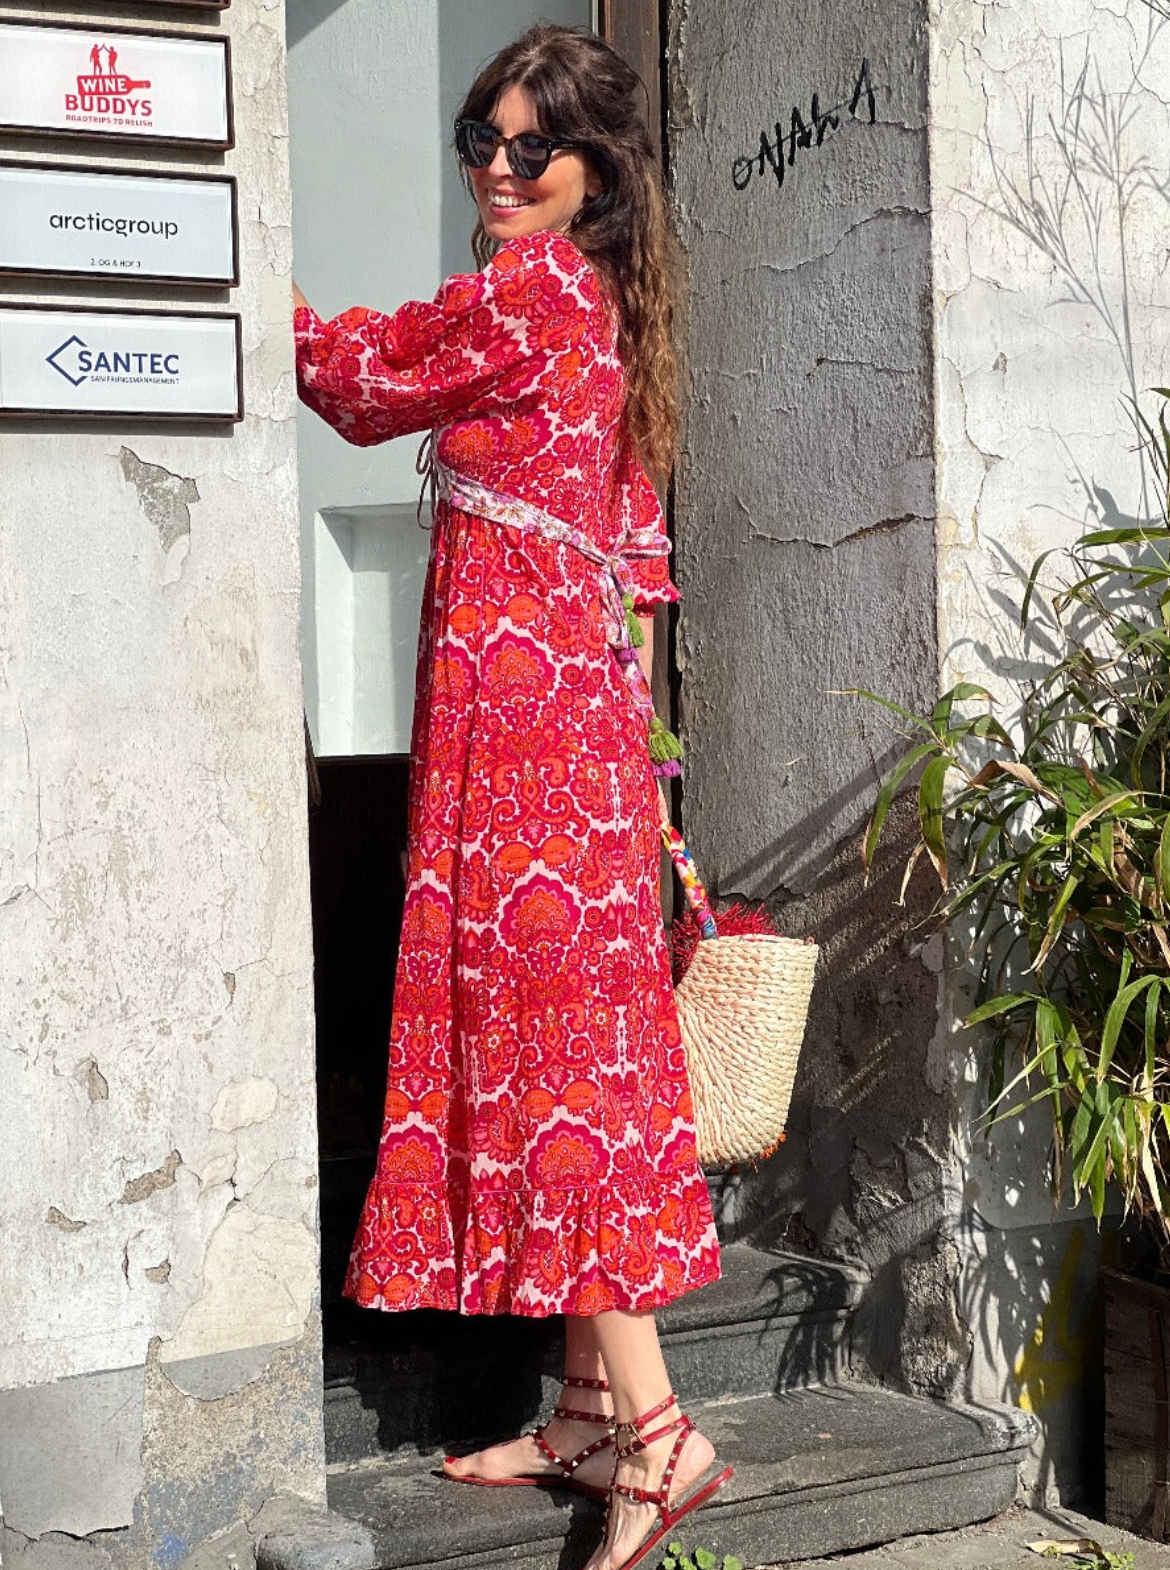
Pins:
x: 818, y: 1471
x: 774, y: 1322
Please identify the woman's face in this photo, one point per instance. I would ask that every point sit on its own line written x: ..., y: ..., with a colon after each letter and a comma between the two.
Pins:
x: 511, y: 207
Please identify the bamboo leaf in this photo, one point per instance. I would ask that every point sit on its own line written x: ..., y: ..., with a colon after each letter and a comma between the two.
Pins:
x: 994, y: 1007
x: 1109, y: 804
x: 908, y: 871
x: 1134, y: 536
x: 1016, y: 1110
x: 1077, y: 1138
x: 1116, y: 1017
x: 1030, y: 587
x: 885, y: 798
x: 964, y: 691
x: 1096, y: 1184
x: 886, y: 703
x: 982, y: 727
x: 930, y: 813
x: 1149, y: 1172
x: 1162, y: 862
x: 1156, y: 725
x: 1055, y: 921
x: 1028, y: 777
x: 1150, y: 1039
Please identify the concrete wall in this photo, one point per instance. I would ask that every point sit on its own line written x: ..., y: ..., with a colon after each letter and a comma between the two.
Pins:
x: 805, y: 554
x: 159, y: 1340
x: 906, y: 383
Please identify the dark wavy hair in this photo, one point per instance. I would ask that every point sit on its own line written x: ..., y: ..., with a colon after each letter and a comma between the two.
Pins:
x: 585, y: 92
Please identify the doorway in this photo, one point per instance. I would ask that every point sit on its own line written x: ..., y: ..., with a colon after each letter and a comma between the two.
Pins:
x: 379, y: 216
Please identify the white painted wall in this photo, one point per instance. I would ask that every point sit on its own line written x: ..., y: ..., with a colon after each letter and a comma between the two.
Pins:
x: 158, y: 1164
x: 1047, y: 317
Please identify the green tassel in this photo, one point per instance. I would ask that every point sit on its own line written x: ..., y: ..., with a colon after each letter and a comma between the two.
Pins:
x: 633, y: 625
x: 664, y: 746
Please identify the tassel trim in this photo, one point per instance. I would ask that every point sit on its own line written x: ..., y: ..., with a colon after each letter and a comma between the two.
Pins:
x: 635, y: 637
x: 664, y: 745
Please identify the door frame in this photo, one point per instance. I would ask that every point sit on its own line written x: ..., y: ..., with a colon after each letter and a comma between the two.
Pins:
x: 634, y: 28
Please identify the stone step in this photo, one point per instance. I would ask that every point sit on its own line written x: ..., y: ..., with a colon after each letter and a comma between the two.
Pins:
x: 818, y: 1471
x: 774, y: 1322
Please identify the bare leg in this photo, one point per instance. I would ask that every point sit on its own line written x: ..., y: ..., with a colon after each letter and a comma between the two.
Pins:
x: 638, y: 1382
x: 523, y: 1457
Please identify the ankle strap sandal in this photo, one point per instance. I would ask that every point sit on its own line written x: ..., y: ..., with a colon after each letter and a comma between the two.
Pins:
x: 568, y: 1464
x: 631, y: 1438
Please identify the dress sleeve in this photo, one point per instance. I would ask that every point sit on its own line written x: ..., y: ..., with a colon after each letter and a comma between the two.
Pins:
x: 476, y: 345
x: 639, y: 509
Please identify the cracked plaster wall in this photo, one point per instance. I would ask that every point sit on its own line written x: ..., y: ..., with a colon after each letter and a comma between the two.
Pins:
x: 1049, y: 169
x: 159, y: 1161
x: 885, y: 335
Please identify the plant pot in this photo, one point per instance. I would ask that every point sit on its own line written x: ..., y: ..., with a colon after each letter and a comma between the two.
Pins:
x: 1137, y: 1406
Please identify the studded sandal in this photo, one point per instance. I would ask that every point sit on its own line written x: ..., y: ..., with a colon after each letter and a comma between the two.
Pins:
x: 629, y: 1439
x: 568, y: 1464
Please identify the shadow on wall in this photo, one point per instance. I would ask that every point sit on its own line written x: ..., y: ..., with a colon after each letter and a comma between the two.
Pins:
x: 1076, y: 206
x: 1032, y: 1295
x: 303, y: 16
x: 873, y: 1173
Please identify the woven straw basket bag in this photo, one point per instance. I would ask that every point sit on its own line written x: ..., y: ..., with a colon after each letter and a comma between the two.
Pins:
x: 742, y: 1006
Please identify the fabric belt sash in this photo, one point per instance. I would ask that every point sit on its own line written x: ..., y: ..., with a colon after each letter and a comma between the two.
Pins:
x: 615, y: 584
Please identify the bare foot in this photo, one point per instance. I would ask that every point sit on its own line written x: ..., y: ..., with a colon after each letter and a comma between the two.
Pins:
x: 629, y: 1524
x: 523, y: 1458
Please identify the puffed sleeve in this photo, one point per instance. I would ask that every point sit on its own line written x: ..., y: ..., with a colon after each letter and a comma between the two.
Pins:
x: 474, y: 346
x: 640, y: 517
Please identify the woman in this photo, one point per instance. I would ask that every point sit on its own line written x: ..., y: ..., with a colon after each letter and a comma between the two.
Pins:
x: 538, y: 1153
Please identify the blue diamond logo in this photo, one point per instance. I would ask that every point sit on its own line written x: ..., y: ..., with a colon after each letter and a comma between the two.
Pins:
x: 63, y: 349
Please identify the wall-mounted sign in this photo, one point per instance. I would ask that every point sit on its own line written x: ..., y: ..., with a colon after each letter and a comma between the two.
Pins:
x: 156, y: 364
x: 75, y: 221
x: 115, y: 82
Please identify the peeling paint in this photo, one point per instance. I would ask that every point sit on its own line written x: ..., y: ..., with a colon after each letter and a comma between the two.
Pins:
x: 96, y: 1084
x: 243, y: 1104
x: 58, y: 1218
x: 140, y: 1188
x: 219, y: 1170
x: 165, y: 498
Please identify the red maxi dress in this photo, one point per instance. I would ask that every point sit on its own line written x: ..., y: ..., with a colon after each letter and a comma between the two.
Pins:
x: 538, y: 1150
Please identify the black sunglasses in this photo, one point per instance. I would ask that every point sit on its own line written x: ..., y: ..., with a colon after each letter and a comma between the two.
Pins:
x: 528, y: 154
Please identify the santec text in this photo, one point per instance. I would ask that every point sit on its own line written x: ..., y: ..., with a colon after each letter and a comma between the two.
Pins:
x: 141, y: 364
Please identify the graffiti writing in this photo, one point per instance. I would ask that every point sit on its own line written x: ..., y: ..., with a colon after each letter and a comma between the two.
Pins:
x: 779, y: 152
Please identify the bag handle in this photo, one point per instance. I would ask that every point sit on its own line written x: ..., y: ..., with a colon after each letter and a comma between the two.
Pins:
x: 688, y: 875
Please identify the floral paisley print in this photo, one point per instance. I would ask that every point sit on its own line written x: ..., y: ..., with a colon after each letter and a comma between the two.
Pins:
x: 538, y: 1151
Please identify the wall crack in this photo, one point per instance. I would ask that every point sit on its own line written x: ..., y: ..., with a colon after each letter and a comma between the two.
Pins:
x: 885, y: 526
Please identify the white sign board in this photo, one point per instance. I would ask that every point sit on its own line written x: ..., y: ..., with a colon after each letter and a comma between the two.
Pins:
x: 164, y: 365
x: 94, y: 222
x: 115, y: 82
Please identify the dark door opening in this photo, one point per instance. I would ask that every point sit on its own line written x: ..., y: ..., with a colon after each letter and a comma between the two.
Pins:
x: 356, y: 838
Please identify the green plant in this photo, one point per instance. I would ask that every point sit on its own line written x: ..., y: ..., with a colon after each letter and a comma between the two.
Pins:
x: 1094, y: 1558
x: 698, y: 1559
x: 1052, y: 846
